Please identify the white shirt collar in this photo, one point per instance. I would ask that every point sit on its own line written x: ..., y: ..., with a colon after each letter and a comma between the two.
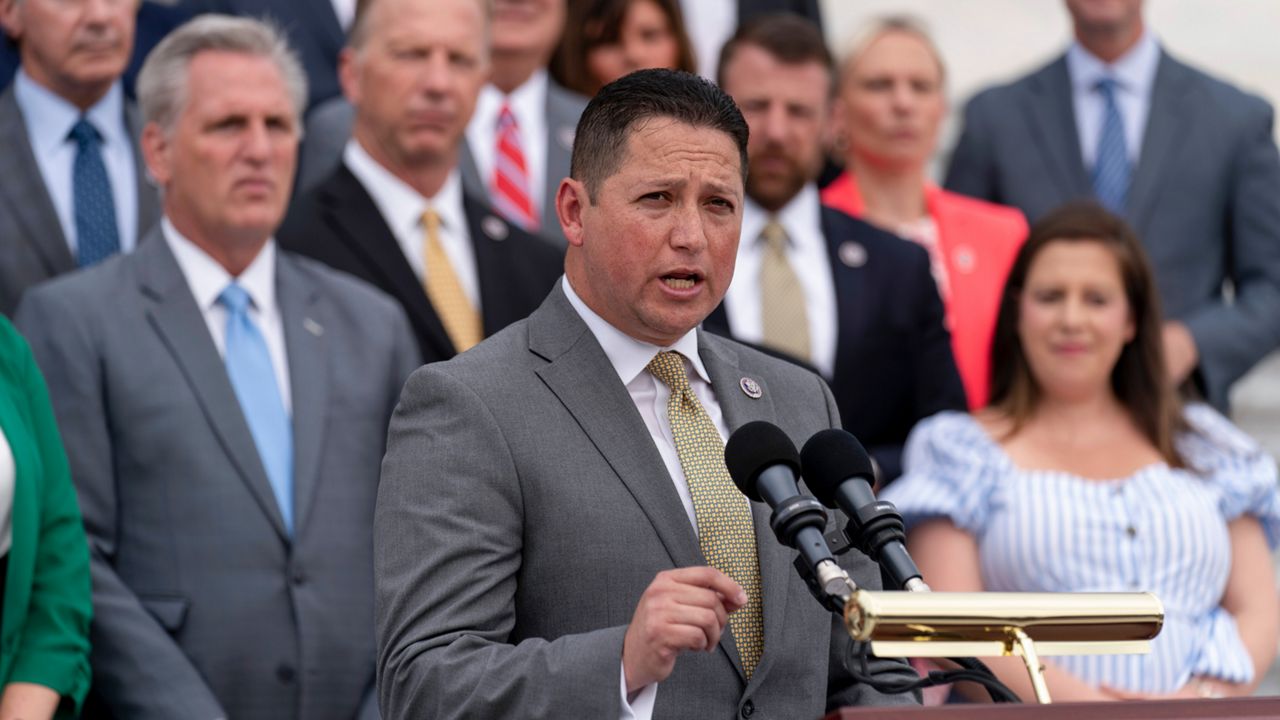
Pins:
x: 801, y: 218
x: 207, y: 279
x: 402, y: 206
x: 49, y: 117
x: 528, y: 102
x: 1135, y: 71
x: 629, y: 356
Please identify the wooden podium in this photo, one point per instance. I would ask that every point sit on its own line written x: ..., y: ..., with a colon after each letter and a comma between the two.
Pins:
x: 1225, y: 709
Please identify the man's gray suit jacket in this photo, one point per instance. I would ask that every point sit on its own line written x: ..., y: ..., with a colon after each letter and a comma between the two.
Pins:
x: 524, y: 509
x: 204, y: 606
x: 33, y: 247
x: 1204, y: 198
x: 329, y: 128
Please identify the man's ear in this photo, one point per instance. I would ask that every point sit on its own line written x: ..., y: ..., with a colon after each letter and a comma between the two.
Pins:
x: 11, y: 19
x: 571, y: 202
x: 155, y: 153
x: 347, y: 74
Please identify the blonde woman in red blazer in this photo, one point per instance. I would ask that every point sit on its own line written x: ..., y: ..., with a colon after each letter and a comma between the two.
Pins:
x: 890, y: 106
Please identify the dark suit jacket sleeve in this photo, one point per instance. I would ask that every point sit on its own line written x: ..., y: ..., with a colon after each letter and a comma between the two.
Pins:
x: 447, y: 553
x: 53, y: 643
x: 970, y: 170
x: 935, y: 380
x: 138, y: 669
x: 1233, y: 337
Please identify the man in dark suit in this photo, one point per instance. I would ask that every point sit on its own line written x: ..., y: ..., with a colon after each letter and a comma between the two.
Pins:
x: 224, y: 408
x: 75, y: 190
x: 395, y: 212
x: 853, y: 301
x: 557, y: 535
x: 1189, y: 160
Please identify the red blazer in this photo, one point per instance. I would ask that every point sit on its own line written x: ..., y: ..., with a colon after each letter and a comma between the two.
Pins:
x: 979, y: 241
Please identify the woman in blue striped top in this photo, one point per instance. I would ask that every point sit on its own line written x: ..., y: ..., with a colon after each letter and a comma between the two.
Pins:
x: 1085, y: 473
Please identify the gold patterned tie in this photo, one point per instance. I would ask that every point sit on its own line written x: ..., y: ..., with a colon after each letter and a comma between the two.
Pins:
x: 725, y: 532
x: 782, y: 309
x: 459, y: 317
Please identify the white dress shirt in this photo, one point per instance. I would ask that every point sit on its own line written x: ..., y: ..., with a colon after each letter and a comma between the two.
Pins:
x: 709, y: 25
x: 8, y: 481
x: 48, y: 119
x: 529, y: 105
x: 207, y: 279
x: 629, y: 358
x: 402, y: 208
x: 345, y: 11
x: 807, y: 253
x: 1135, y: 75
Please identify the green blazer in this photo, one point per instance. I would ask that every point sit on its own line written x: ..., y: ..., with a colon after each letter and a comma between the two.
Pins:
x: 48, y: 597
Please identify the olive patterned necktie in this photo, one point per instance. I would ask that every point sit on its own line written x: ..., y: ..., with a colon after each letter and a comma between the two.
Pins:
x: 725, y: 531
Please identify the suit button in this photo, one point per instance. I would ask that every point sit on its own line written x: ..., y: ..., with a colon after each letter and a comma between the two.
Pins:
x: 298, y: 577
x: 286, y: 674
x: 748, y: 709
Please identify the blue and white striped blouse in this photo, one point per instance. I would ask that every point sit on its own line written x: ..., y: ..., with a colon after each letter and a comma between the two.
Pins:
x: 1160, y: 530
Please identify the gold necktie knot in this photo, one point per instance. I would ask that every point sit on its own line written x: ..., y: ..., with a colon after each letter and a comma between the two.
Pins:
x: 668, y: 367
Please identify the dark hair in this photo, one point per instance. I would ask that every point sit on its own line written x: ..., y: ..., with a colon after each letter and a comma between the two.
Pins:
x: 1139, y: 379
x: 592, y: 23
x: 790, y: 38
x: 600, y: 143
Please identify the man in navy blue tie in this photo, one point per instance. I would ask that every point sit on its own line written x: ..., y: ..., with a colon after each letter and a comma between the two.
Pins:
x: 224, y: 406
x: 1187, y: 159
x: 69, y: 134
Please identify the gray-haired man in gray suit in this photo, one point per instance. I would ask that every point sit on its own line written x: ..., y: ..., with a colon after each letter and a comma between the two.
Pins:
x: 224, y: 407
x: 74, y: 189
x: 1189, y: 160
x: 545, y: 541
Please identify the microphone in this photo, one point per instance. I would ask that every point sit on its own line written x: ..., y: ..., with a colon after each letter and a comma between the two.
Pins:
x: 763, y: 463
x: 839, y: 472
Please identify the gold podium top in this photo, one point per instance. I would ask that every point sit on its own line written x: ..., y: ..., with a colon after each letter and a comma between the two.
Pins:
x: 941, y: 624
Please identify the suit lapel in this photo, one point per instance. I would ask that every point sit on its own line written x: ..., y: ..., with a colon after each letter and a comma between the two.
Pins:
x: 1166, y: 122
x: 305, y: 343
x: 1052, y: 115
x: 181, y: 326
x: 562, y: 122
x: 855, y: 302
x: 582, y: 378
x: 26, y: 193
x: 148, y: 200
x: 721, y: 361
x: 472, y: 184
x: 364, y: 230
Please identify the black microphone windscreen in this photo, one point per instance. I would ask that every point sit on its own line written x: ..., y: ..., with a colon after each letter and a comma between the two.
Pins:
x: 754, y: 447
x: 831, y: 457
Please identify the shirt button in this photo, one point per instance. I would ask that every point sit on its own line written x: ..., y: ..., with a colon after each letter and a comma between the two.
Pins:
x: 1131, y: 531
x: 748, y: 709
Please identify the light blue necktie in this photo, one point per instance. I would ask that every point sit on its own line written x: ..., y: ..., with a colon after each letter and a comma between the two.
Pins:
x: 97, y: 235
x: 1111, y: 169
x: 254, y: 380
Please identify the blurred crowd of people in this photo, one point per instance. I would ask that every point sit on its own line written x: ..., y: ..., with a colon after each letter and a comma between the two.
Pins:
x: 225, y: 245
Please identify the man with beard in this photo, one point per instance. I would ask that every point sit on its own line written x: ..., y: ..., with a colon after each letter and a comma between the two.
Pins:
x: 856, y: 303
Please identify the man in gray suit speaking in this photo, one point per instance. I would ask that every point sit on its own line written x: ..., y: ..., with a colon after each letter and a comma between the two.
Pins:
x: 224, y: 407
x: 556, y: 536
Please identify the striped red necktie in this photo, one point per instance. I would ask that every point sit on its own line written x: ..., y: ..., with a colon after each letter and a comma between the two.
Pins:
x: 510, y: 188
